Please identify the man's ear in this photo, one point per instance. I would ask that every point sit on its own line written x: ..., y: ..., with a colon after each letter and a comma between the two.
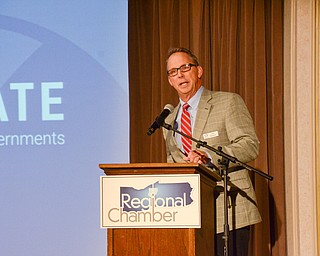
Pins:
x: 200, y: 71
x: 169, y: 80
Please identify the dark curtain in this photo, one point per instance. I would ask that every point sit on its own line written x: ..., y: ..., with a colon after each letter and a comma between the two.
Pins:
x: 239, y: 45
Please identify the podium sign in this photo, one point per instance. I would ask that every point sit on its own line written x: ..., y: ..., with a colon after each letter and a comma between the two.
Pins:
x: 150, y: 201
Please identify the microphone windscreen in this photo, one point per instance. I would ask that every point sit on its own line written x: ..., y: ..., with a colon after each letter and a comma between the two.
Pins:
x: 169, y: 107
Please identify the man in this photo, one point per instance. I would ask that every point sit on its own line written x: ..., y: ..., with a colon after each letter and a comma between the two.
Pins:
x: 220, y: 119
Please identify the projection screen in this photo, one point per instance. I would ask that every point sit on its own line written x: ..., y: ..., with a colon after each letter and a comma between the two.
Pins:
x: 63, y: 110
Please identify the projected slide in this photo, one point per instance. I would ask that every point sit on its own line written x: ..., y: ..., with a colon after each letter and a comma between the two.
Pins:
x: 63, y: 110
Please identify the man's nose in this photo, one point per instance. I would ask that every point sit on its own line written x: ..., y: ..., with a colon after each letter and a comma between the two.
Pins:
x: 180, y: 73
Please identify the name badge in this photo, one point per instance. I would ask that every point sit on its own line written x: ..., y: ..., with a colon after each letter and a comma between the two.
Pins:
x: 211, y: 135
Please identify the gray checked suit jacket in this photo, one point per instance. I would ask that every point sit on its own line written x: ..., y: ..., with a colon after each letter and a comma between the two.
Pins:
x: 224, y: 120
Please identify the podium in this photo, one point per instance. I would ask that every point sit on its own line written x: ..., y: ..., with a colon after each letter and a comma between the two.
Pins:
x: 167, y: 241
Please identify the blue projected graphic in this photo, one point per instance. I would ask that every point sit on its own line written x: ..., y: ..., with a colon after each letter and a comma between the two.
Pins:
x: 63, y: 110
x: 158, y: 191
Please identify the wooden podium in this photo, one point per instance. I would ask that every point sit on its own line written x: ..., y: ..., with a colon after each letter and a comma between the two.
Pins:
x: 167, y: 241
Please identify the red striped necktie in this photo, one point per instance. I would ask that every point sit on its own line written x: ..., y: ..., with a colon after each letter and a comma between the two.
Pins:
x: 186, y: 128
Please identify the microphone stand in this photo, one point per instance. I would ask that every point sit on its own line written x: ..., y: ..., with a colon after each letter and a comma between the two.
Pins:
x: 224, y: 165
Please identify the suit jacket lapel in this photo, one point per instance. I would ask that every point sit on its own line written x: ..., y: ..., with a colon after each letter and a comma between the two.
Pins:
x: 204, y: 109
x: 172, y: 144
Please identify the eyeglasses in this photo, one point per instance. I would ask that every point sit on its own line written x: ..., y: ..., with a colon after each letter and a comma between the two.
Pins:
x: 183, y: 68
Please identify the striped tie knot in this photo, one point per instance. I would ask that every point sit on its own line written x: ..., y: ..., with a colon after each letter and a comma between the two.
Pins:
x: 185, y: 106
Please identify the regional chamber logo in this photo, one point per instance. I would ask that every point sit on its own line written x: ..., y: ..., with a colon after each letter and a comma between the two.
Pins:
x: 167, y: 201
x: 140, y: 205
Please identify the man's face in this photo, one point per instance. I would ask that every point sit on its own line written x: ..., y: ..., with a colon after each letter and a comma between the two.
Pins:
x: 186, y: 83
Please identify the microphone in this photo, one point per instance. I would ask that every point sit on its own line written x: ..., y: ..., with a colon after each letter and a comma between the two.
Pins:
x: 160, y: 119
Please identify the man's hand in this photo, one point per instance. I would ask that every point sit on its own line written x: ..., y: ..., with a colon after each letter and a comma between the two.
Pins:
x: 197, y: 156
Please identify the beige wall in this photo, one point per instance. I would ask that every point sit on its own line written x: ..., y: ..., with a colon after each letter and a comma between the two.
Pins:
x: 301, y: 125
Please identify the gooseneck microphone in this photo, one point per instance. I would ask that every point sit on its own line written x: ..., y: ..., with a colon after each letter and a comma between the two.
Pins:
x: 167, y: 110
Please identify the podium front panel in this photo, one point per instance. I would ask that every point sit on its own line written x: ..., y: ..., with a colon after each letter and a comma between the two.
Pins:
x: 167, y: 241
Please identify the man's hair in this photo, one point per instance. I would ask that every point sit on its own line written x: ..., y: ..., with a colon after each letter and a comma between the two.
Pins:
x: 185, y: 50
